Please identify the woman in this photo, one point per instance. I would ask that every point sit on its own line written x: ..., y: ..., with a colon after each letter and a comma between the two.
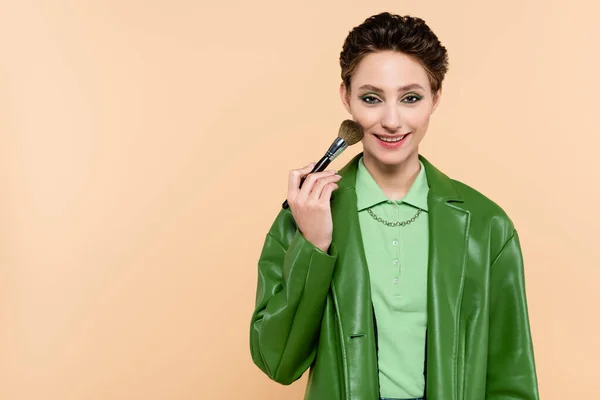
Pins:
x: 390, y: 280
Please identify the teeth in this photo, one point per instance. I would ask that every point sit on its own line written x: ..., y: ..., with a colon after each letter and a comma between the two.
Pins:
x: 390, y: 140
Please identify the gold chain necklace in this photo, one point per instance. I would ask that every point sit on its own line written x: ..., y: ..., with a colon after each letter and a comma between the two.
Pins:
x: 395, y: 223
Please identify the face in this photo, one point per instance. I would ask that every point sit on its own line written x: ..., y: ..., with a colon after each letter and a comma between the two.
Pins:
x: 390, y: 97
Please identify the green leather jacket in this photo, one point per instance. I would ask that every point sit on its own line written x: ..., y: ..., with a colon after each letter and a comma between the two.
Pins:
x: 313, y: 310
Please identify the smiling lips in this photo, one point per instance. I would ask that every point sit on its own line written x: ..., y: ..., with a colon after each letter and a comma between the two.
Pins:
x: 392, y: 141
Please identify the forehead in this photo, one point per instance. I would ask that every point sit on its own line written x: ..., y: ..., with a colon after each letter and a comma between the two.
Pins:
x: 389, y: 70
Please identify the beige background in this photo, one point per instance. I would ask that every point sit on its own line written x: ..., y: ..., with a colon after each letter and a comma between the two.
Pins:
x: 144, y: 152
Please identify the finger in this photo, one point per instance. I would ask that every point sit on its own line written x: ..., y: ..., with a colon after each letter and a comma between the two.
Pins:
x: 294, y: 178
x: 310, y: 182
x: 320, y: 184
x: 327, y: 190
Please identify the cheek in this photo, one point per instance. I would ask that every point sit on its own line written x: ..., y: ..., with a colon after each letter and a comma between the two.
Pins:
x: 418, y: 120
x: 365, y: 116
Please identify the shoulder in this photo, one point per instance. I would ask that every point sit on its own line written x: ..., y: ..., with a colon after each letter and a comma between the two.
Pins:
x: 485, y: 212
x: 481, y: 208
x: 479, y: 203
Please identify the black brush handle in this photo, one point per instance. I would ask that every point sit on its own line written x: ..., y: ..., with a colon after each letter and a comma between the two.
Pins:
x: 320, y: 166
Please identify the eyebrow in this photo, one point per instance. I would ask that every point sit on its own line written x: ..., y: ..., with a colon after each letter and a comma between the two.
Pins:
x: 400, y: 89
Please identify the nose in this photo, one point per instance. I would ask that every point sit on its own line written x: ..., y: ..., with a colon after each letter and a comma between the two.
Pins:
x: 391, y: 119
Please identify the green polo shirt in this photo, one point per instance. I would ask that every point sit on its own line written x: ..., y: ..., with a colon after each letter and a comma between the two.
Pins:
x: 397, y: 259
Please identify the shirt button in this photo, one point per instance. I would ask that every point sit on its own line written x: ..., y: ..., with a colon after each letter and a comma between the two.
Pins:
x: 396, y: 262
x: 396, y: 281
x: 395, y: 242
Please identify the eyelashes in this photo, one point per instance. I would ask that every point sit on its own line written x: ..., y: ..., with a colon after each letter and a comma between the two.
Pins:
x: 409, y: 99
x: 370, y: 99
x: 415, y: 98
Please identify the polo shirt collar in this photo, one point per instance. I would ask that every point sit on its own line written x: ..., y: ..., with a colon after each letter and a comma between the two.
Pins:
x: 369, y: 194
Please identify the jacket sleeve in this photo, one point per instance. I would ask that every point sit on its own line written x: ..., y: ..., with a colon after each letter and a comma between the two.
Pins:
x: 294, y: 277
x: 511, y: 365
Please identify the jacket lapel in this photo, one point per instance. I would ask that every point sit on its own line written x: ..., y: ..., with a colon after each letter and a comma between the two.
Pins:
x: 448, y: 236
x: 352, y: 292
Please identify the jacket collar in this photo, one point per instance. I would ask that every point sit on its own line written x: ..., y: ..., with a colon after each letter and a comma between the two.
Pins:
x: 351, y: 290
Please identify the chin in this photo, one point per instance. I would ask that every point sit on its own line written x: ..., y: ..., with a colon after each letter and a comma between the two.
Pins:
x: 391, y: 158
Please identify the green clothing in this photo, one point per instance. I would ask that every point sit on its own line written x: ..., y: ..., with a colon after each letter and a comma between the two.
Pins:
x: 397, y: 261
x: 314, y: 310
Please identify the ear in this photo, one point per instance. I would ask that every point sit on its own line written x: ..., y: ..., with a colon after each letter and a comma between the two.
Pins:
x: 344, y: 95
x: 436, y: 99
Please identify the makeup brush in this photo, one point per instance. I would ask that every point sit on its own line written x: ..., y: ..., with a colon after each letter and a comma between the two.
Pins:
x: 349, y: 133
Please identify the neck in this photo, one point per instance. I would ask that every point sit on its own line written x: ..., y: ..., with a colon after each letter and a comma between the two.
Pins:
x: 394, y: 180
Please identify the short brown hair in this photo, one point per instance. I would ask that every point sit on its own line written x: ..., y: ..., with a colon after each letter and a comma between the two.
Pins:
x: 406, y: 34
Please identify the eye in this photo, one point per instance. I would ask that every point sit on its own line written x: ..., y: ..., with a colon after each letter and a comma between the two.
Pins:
x: 369, y: 99
x: 411, y: 98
